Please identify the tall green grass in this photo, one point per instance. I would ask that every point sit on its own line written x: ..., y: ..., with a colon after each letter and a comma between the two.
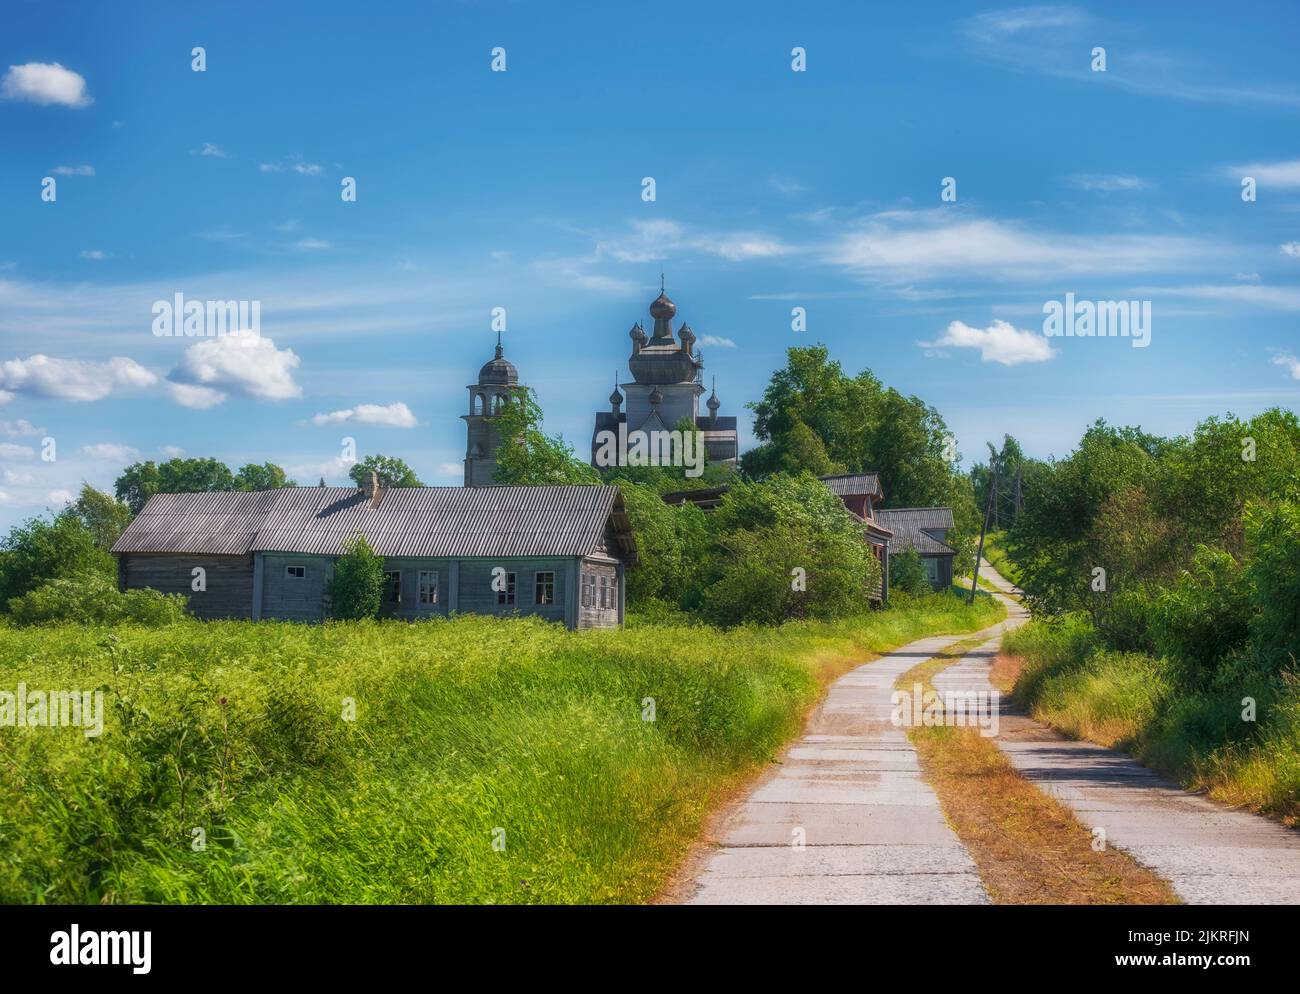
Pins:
x: 489, y: 760
x: 1194, y: 734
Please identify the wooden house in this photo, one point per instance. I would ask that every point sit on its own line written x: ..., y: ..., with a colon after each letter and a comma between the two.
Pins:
x: 555, y: 552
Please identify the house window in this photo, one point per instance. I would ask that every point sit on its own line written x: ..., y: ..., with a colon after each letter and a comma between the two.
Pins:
x: 544, y: 588
x: 932, y: 571
x: 507, y: 596
x: 588, y: 590
x: 613, y: 592
x: 295, y: 572
x: 428, y: 586
x: 604, y: 591
x: 392, y: 587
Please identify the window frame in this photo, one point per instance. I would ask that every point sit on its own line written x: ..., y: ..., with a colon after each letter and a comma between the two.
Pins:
x: 289, y: 573
x: 508, y: 597
x: 544, y: 588
x: 422, y: 587
x: 388, y: 586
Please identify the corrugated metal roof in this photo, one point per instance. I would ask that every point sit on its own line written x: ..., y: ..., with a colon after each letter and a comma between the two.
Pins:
x: 854, y: 484
x: 409, y: 521
x: 910, y: 524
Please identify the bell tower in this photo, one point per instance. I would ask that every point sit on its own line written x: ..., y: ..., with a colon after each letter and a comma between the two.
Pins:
x: 497, y: 381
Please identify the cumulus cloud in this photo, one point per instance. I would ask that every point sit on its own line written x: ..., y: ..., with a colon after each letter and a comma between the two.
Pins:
x: 11, y: 451
x: 1291, y: 248
x: 1289, y: 362
x: 718, y: 341
x: 73, y: 170
x: 45, y: 83
x: 1000, y: 342
x: 72, y: 379
x: 214, y: 368
x: 60, y: 497
x: 396, y: 415
x: 210, y: 150
x: 172, y: 451
x: 291, y: 164
x: 94, y: 255
x: 22, y: 428
x: 110, y: 451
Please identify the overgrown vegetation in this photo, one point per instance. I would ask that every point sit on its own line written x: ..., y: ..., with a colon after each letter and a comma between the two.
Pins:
x: 1166, y: 577
x: 356, y: 588
x: 588, y: 757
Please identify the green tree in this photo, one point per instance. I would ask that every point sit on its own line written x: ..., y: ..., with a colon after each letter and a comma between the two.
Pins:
x: 267, y: 476
x: 907, y: 574
x: 101, y: 515
x: 392, y: 472
x: 140, y: 481
x: 527, y: 456
x: 356, y: 589
x: 43, y: 549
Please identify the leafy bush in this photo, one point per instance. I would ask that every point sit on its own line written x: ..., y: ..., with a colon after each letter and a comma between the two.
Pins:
x: 40, y: 550
x: 907, y: 574
x: 1273, y: 534
x: 91, y: 599
x: 356, y: 590
x: 1205, y: 616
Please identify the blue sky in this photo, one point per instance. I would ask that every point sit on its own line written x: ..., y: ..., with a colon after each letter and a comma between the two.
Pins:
x: 522, y: 189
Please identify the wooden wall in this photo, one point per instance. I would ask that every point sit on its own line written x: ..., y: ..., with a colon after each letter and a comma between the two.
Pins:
x: 229, y: 580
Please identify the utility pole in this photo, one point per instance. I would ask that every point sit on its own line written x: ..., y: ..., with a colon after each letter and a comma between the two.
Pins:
x: 988, y: 508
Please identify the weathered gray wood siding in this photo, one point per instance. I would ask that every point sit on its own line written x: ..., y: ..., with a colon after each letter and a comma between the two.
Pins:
x: 410, y: 606
x: 592, y: 615
x: 475, y: 594
x: 229, y: 580
x: 289, y: 598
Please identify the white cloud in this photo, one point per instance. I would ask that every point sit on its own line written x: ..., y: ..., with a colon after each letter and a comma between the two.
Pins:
x: 22, y: 428
x: 11, y: 451
x: 210, y: 150
x: 292, y: 164
x: 60, y: 497
x: 45, y: 83
x: 73, y: 170
x: 909, y: 244
x: 396, y: 415
x: 111, y: 451
x: 1289, y: 362
x: 172, y: 451
x: 452, y: 469
x: 72, y: 379
x: 656, y: 239
x: 1290, y: 248
x: 94, y: 255
x: 197, y: 398
x: 1282, y: 175
x: 312, y: 245
x: 1105, y: 182
x: 335, y: 469
x: 718, y: 341
x: 1000, y: 342
x: 1276, y: 297
x: 216, y: 367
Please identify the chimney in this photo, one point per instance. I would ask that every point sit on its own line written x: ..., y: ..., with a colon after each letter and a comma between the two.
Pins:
x: 375, y: 492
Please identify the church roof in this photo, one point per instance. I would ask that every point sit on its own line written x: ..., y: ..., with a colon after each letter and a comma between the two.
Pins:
x: 499, y: 371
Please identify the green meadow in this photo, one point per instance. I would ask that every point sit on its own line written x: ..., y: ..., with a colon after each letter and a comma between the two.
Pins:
x: 474, y: 760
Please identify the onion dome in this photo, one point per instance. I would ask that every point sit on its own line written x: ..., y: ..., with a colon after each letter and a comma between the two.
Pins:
x: 662, y: 308
x: 500, y: 371
x: 713, y: 402
x: 616, y: 398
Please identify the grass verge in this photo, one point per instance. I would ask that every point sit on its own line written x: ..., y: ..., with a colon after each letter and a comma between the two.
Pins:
x: 1028, y: 847
x: 1195, y: 735
x: 504, y: 761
